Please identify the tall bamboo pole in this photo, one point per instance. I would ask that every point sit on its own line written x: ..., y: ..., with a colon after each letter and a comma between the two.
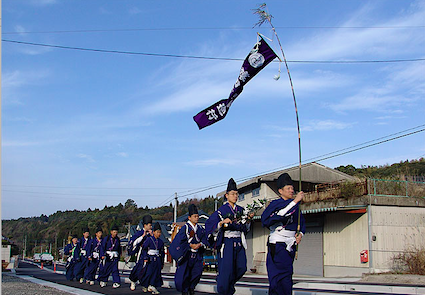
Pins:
x: 266, y: 17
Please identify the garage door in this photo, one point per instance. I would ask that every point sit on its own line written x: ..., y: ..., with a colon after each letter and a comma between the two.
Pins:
x: 310, y: 252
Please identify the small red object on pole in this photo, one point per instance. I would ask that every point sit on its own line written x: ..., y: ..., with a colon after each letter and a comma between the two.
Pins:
x: 42, y: 265
x: 54, y: 266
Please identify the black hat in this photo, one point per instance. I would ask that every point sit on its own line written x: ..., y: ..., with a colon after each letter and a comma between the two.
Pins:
x: 156, y: 226
x: 86, y: 230
x: 114, y: 227
x: 74, y: 237
x: 147, y: 219
x: 192, y: 209
x: 284, y: 179
x: 99, y: 229
x: 231, y: 186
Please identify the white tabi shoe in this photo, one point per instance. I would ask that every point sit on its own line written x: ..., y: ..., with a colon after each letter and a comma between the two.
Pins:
x: 153, y: 290
x: 91, y: 283
x: 102, y: 284
x: 81, y: 280
x: 132, y: 286
x: 116, y: 285
x: 144, y: 289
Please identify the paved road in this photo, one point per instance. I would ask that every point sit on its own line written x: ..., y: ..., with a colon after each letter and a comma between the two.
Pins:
x: 26, y: 269
x: 248, y: 285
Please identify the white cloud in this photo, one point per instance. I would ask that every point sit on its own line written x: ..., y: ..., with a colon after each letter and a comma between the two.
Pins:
x: 134, y: 10
x: 122, y: 154
x: 20, y: 78
x: 214, y: 162
x: 86, y: 157
x: 43, y: 2
x: 402, y: 86
x: 13, y: 143
x: 340, y: 44
x: 311, y: 125
x: 20, y: 29
x: 14, y: 82
x: 326, y: 125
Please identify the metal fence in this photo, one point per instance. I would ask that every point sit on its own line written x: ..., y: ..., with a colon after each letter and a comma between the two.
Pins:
x: 396, y: 188
x: 370, y: 186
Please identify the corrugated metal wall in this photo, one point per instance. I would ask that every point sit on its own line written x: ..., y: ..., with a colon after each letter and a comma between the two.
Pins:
x: 345, y: 235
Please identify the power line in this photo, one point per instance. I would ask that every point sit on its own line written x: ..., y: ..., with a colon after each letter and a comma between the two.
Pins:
x: 209, y: 58
x: 208, y: 29
x: 97, y: 188
x: 169, y: 199
x: 73, y: 194
x: 319, y: 158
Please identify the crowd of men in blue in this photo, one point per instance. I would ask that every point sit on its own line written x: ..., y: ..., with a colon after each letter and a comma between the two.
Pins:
x: 224, y: 232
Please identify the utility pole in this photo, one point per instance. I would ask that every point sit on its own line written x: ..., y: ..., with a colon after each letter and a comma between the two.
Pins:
x: 25, y: 248
x: 56, y: 246
x: 174, y: 267
x: 215, y: 204
x: 175, y: 207
x: 35, y: 247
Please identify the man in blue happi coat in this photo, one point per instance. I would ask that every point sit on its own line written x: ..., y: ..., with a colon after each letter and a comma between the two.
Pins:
x: 110, y: 252
x: 93, y: 255
x: 226, y: 233
x: 281, y: 217
x: 188, y: 249
x: 73, y: 252
x: 153, y: 257
x: 134, y: 247
x: 83, y: 260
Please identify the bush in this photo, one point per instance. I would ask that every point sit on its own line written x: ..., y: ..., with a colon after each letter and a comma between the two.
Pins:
x: 410, y: 261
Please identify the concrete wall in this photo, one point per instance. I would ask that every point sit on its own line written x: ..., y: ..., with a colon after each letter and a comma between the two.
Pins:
x: 5, y: 253
x: 394, y: 230
x: 258, y: 244
x: 345, y: 235
x: 265, y: 192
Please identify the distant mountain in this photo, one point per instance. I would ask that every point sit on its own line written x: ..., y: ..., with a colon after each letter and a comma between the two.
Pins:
x: 407, y: 170
x: 56, y: 228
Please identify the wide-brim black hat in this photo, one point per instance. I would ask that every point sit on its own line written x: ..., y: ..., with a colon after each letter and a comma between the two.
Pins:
x: 284, y: 179
x: 114, y: 227
x: 99, y: 229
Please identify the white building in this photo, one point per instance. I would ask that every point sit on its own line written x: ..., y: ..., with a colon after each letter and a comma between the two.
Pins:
x: 342, y: 221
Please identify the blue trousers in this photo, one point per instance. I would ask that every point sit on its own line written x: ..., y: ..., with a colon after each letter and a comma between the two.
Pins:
x: 189, y: 272
x: 90, y: 272
x: 70, y: 271
x: 80, y: 267
x: 137, y: 271
x: 152, y: 275
x: 231, y: 267
x: 108, y: 268
x: 280, y: 269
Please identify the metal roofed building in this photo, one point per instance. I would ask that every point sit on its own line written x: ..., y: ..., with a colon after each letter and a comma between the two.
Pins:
x: 351, y: 227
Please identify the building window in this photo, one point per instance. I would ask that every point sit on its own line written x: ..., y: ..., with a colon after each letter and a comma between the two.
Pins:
x: 241, y: 197
x: 256, y: 192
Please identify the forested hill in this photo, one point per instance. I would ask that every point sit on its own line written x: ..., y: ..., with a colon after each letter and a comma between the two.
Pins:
x: 411, y: 169
x: 56, y: 227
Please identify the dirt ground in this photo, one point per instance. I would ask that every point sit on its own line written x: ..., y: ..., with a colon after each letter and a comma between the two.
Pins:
x: 417, y: 280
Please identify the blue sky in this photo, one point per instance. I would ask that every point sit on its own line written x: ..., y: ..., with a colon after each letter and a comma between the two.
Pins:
x: 87, y: 129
